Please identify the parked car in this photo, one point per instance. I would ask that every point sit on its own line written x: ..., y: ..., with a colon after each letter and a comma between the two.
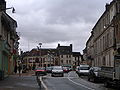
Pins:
x: 83, y: 70
x: 40, y: 71
x: 57, y: 71
x: 70, y: 67
x: 49, y: 69
x: 66, y: 69
x: 93, y: 74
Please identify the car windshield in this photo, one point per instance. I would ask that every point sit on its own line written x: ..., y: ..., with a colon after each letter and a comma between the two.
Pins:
x: 48, y: 68
x: 57, y: 68
x: 40, y: 69
x: 84, y: 68
x: 97, y: 68
x: 65, y: 67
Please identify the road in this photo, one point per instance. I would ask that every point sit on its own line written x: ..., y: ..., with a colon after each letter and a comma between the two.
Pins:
x: 19, y: 83
x: 70, y: 81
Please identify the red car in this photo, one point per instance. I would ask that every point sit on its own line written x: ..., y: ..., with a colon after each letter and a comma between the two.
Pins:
x: 66, y: 69
x: 40, y: 71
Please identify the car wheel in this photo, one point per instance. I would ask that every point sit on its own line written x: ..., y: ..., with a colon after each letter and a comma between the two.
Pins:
x: 94, y: 80
x: 88, y: 79
x: 79, y: 75
x: 51, y: 75
x: 106, y: 84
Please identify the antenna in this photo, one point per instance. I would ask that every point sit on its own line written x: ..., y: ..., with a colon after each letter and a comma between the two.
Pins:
x: 28, y: 46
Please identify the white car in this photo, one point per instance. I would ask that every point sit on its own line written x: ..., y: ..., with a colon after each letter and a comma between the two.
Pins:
x: 57, y: 71
x: 83, y: 70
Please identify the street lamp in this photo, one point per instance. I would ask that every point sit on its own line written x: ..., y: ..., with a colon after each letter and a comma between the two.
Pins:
x: 40, y: 44
x: 13, y: 9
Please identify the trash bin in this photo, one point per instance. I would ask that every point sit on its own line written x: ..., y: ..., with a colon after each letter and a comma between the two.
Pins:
x: 1, y: 74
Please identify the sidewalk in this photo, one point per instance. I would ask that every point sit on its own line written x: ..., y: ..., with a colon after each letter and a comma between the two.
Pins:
x: 27, y: 81
x: 30, y: 73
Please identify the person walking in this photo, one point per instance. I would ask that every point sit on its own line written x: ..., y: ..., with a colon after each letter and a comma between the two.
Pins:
x: 19, y: 69
x: 15, y: 68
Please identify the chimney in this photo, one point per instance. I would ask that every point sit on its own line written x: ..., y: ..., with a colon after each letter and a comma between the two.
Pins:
x: 71, y: 46
x: 58, y: 45
x: 107, y: 6
x: 2, y: 5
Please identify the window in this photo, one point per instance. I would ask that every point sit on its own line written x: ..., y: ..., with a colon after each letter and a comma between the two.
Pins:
x: 67, y: 61
x: 43, y: 60
x: 70, y: 61
x: 104, y: 62
x: 36, y: 60
x: 69, y: 56
x: 61, y: 61
x: 66, y: 56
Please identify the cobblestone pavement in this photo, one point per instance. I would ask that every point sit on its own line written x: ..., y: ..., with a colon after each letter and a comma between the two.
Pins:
x: 27, y: 81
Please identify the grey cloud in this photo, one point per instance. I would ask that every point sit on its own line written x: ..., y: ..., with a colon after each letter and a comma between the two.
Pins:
x: 51, y: 21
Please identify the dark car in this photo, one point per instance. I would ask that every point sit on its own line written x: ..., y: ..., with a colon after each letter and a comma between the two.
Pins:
x: 93, y: 74
x: 40, y: 71
x: 48, y: 69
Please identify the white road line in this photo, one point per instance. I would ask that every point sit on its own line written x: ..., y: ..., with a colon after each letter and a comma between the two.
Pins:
x: 79, y: 84
x: 43, y: 83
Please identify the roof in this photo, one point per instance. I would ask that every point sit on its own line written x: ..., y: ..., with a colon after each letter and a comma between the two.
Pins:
x: 65, y: 49
x: 76, y: 54
x: 9, y: 22
x: 107, y: 9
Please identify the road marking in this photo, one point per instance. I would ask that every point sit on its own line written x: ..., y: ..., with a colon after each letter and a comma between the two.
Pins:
x: 79, y: 83
x: 59, y: 77
x: 43, y: 83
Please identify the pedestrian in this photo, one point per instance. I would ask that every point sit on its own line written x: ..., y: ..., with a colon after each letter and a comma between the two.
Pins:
x: 34, y: 66
x: 15, y: 68
x: 19, y: 69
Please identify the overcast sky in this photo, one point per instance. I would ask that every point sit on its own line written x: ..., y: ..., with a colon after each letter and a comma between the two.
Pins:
x: 55, y: 21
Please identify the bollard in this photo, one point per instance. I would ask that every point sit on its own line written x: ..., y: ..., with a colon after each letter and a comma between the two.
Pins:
x: 38, y: 81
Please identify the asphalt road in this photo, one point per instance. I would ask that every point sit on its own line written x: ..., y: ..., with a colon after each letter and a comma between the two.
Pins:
x: 19, y: 83
x: 70, y: 81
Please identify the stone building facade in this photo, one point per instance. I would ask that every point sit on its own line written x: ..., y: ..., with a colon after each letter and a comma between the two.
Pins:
x: 40, y: 58
x: 65, y: 55
x: 62, y: 55
x: 77, y: 58
x: 105, y: 36
x: 8, y: 41
x: 90, y: 51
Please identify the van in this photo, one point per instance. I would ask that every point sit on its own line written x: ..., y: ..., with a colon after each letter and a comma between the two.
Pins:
x: 83, y: 70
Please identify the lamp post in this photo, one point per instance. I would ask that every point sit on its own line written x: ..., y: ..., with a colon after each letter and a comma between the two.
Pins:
x: 13, y: 9
x: 40, y: 44
x: 49, y: 58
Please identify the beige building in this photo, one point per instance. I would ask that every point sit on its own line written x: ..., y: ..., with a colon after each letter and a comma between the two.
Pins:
x: 77, y: 58
x: 90, y: 51
x: 62, y: 55
x: 105, y: 36
x: 65, y: 55
x: 41, y: 58
x: 8, y: 41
